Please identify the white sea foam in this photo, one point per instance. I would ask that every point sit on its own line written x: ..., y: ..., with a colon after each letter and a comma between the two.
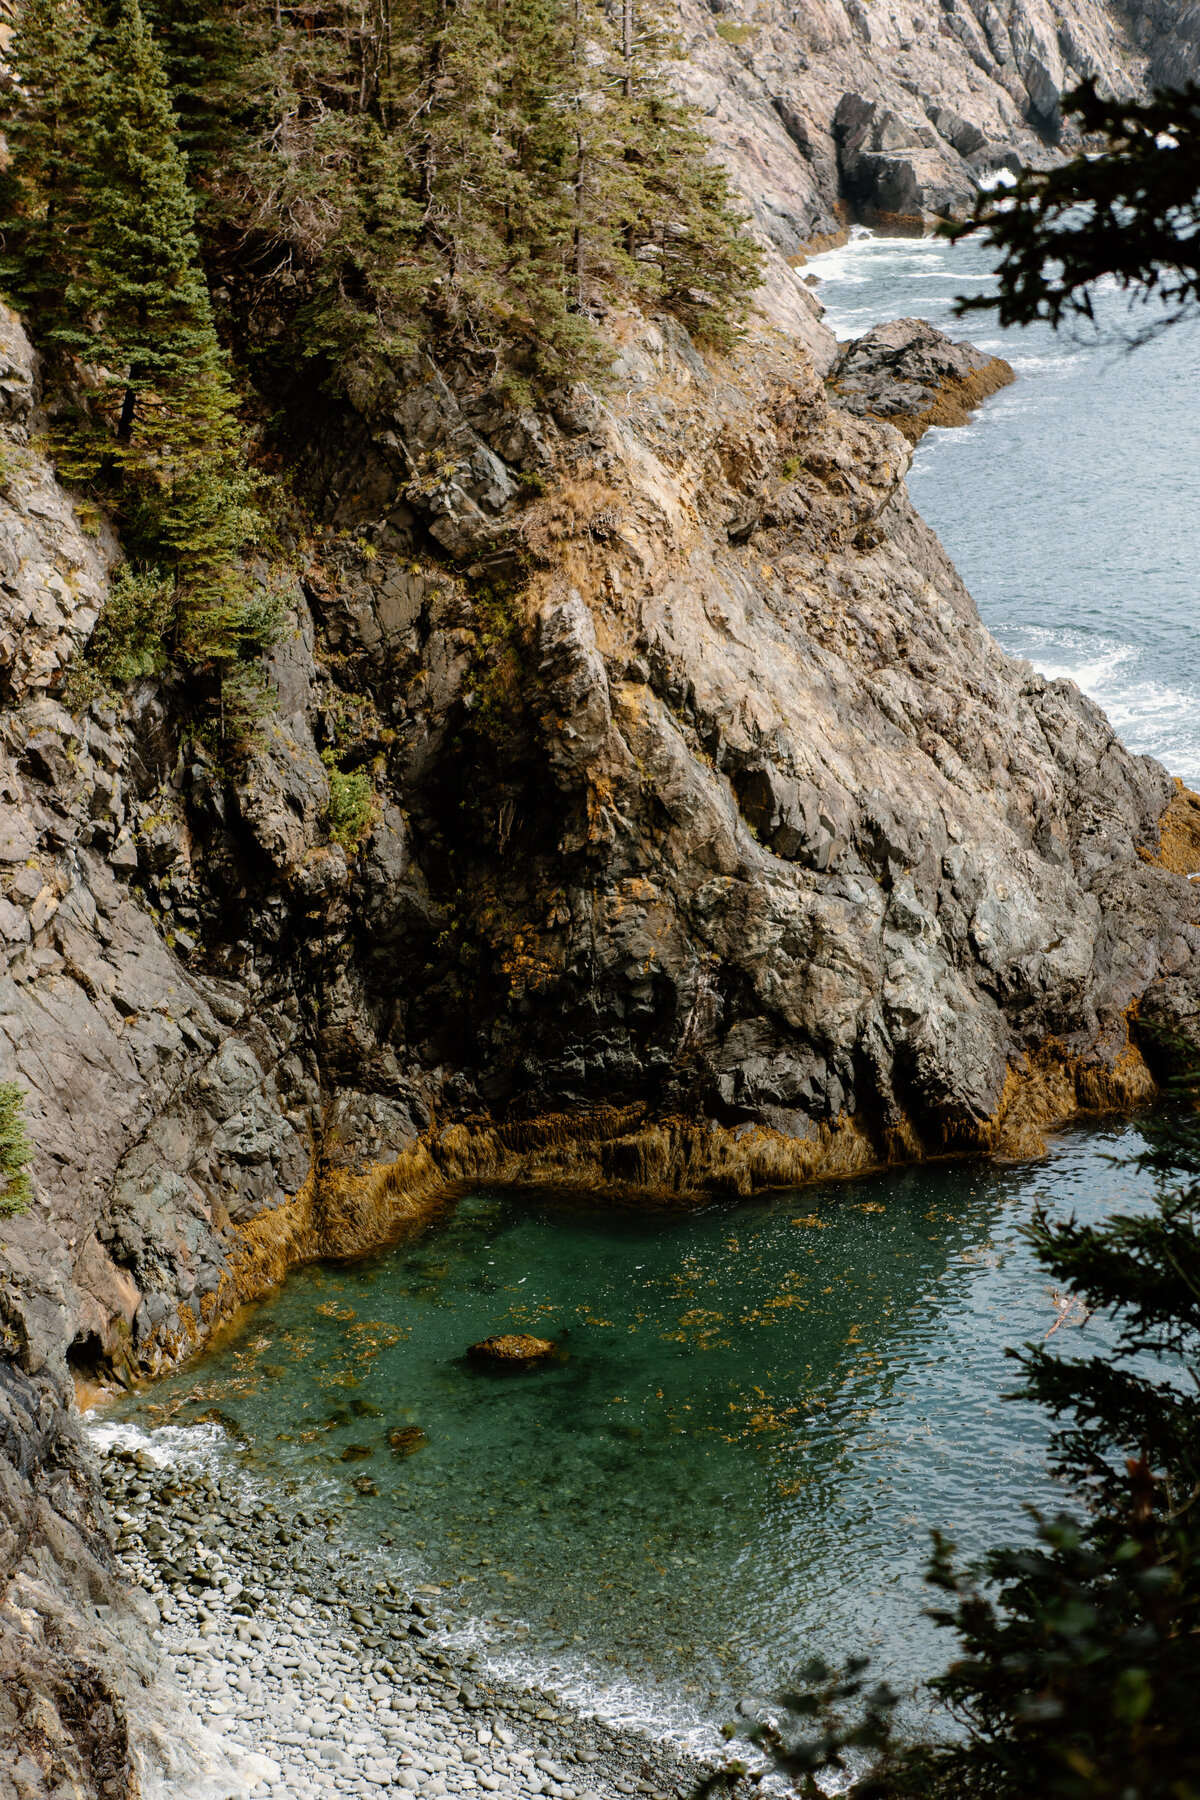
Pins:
x: 1153, y: 717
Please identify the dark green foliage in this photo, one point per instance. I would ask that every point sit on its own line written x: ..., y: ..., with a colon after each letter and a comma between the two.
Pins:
x: 199, y: 44
x: 105, y: 255
x: 480, y: 180
x: 1081, y: 1658
x: 16, y: 1152
x: 44, y: 221
x: 133, y: 632
x: 1132, y: 213
x: 835, y: 1719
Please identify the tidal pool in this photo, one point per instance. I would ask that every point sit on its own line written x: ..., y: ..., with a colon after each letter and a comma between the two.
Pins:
x: 758, y: 1414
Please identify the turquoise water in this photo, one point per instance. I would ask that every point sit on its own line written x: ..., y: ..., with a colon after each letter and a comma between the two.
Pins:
x: 757, y: 1414
x: 1071, y: 504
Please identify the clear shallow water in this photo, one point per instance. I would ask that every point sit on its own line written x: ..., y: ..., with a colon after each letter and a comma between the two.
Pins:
x: 759, y: 1413
x: 1071, y: 504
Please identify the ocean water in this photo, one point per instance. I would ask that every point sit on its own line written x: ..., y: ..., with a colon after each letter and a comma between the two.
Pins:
x: 1071, y: 503
x: 756, y: 1415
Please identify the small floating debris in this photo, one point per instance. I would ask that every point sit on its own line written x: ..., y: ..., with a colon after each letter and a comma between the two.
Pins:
x: 514, y: 1350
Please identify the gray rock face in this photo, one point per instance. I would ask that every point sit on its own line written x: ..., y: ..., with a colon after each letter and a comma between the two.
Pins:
x: 1169, y: 36
x: 738, y: 811
x: 52, y: 574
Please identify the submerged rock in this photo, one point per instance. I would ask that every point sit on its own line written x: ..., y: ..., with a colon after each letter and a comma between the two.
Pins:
x: 514, y: 1350
x: 406, y: 1440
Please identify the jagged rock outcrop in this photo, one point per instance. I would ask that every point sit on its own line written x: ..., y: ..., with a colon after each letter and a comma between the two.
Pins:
x: 1168, y: 34
x: 895, y: 111
x: 913, y: 376
x: 769, y: 831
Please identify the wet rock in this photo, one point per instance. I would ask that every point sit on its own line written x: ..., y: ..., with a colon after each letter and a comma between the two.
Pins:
x: 914, y: 376
x: 406, y: 1440
x: 514, y: 1350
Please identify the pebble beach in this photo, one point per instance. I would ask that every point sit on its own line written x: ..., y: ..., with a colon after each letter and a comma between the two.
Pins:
x: 320, y: 1674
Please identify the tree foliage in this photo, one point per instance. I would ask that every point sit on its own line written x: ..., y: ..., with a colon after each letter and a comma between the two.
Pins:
x: 102, y: 251
x: 479, y: 179
x: 355, y: 183
x: 1130, y: 214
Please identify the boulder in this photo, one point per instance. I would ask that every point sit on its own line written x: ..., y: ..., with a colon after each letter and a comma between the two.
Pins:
x: 514, y: 1350
x: 913, y: 375
x: 406, y: 1440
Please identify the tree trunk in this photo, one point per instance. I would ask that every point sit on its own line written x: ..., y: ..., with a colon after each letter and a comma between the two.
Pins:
x: 128, y: 408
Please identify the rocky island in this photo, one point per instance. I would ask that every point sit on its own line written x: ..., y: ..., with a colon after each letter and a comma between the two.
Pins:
x: 709, y: 844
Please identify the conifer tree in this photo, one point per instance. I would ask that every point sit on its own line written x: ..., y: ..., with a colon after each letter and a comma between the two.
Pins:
x: 42, y: 218
x: 483, y: 179
x: 1079, y: 1654
x: 158, y: 438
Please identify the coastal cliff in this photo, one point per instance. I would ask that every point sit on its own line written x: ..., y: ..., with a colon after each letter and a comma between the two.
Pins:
x: 716, y: 846
x: 714, y: 843
x: 896, y: 113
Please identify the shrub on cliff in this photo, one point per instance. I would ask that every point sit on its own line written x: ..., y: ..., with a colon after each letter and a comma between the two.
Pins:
x: 16, y: 1151
x: 1079, y: 1660
x: 352, y: 804
x: 1131, y: 213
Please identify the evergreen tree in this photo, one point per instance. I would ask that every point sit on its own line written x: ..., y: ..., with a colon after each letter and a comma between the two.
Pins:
x: 676, y: 212
x: 1082, y: 1662
x: 158, y: 437
x: 198, y: 43
x: 483, y: 179
x: 42, y: 217
x: 1131, y: 214
x: 171, y: 405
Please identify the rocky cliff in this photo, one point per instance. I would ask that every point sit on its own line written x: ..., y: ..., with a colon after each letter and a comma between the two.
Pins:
x: 895, y: 111
x: 716, y: 844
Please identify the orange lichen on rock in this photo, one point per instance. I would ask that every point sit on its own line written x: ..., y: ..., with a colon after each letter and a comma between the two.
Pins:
x: 1178, y: 834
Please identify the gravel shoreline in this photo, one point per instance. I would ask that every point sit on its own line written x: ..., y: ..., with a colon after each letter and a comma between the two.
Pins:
x: 320, y: 1676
